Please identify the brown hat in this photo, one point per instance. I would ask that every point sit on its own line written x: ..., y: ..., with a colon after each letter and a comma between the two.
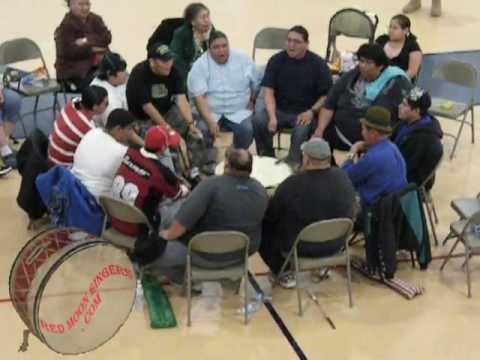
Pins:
x: 378, y: 118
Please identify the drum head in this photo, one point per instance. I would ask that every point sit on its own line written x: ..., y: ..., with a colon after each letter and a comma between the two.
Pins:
x: 83, y: 297
x: 267, y: 170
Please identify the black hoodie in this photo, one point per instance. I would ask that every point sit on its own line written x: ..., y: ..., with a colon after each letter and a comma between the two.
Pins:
x: 422, y: 149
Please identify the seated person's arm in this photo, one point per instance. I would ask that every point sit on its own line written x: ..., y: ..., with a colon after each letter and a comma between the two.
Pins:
x: 324, y: 119
x: 191, y: 211
x: 69, y: 46
x: 202, y: 107
x: 271, y: 107
x: 186, y: 112
x: 154, y: 114
x: 307, y: 116
x: 414, y: 63
x: 359, y: 171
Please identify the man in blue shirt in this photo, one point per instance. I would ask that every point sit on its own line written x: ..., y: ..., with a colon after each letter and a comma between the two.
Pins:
x: 375, y: 166
x: 222, y: 85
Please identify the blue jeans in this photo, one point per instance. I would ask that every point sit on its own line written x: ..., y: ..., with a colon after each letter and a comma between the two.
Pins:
x: 264, y: 138
x: 242, y: 133
x: 10, y: 109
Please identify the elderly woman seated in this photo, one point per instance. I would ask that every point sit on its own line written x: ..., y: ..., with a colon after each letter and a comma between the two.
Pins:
x: 81, y: 39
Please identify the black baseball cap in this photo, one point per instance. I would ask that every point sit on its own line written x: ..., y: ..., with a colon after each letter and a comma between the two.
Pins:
x: 160, y: 51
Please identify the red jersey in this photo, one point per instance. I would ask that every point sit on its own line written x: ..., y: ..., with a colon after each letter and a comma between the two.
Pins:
x: 69, y: 128
x: 143, y: 181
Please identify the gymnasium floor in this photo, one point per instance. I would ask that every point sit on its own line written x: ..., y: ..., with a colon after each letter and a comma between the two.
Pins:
x: 441, y: 324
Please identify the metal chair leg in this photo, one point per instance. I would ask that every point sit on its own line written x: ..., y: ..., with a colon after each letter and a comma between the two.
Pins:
x: 472, y: 124
x: 245, y: 297
x: 349, y: 282
x: 450, y: 235
x: 467, y: 268
x: 426, y: 202
x: 35, y: 108
x: 432, y: 204
x: 299, y: 295
x: 449, y: 254
x: 458, y: 135
x: 189, y: 296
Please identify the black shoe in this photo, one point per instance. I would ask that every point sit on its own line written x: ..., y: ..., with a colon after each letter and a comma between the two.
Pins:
x: 4, y: 170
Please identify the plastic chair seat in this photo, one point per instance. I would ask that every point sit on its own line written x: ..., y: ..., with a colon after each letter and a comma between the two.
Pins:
x: 457, y: 109
x: 466, y: 207
x: 119, y: 239
x: 48, y: 86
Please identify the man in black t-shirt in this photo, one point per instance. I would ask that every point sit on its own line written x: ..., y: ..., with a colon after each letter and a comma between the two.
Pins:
x: 156, y: 91
x: 296, y: 82
x: 318, y: 192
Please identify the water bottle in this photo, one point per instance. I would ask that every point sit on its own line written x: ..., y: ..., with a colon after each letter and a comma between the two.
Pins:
x: 139, y: 298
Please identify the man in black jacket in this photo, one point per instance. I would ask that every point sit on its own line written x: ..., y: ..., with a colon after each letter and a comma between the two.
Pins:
x: 418, y: 136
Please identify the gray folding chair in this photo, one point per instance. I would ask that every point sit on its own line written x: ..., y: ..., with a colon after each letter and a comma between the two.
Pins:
x: 351, y: 23
x: 123, y: 211
x: 460, y: 74
x: 320, y: 232
x: 23, y: 49
x: 465, y: 208
x: 427, y: 199
x: 467, y: 232
x: 217, y: 243
x: 270, y: 38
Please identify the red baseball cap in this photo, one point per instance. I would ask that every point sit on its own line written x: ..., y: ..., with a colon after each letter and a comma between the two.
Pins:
x: 159, y: 138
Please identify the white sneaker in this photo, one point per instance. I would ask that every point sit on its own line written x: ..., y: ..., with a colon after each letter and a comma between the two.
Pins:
x: 287, y: 281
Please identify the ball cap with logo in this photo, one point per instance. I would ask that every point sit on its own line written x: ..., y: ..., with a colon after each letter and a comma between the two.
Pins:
x: 160, y: 51
x: 159, y: 138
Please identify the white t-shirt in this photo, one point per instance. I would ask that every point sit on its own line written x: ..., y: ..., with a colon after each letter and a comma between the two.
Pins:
x: 96, y: 161
x: 117, y: 99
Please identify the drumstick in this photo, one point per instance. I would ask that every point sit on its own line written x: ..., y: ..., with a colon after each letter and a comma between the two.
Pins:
x: 325, y: 315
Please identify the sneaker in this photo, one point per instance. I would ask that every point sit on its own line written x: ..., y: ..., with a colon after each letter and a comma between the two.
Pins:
x: 287, y: 281
x: 10, y: 161
x: 4, y: 170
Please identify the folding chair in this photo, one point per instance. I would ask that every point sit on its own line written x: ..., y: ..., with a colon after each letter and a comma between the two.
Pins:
x: 319, y: 232
x: 465, y: 208
x: 467, y: 231
x: 352, y: 23
x: 460, y: 74
x: 123, y: 211
x: 217, y: 243
x: 427, y: 199
x: 23, y: 49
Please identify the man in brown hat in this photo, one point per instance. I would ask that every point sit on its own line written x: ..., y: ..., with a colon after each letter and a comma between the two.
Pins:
x: 375, y: 166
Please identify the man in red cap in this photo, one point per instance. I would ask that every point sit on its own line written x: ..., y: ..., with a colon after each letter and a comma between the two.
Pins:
x: 143, y: 180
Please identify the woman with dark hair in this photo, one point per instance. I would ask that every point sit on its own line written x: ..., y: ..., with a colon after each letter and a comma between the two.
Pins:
x: 191, y: 39
x: 112, y: 76
x: 372, y: 82
x: 401, y: 46
x: 74, y: 121
x: 81, y: 39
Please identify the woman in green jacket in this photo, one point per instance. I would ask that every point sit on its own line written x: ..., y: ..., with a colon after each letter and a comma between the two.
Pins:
x: 190, y: 40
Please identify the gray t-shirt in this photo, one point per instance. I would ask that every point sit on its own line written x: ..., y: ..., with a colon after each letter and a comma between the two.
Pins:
x: 226, y: 203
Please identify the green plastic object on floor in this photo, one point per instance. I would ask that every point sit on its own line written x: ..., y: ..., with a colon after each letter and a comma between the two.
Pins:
x: 159, y: 307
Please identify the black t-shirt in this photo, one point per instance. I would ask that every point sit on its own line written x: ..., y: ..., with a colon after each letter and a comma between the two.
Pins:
x: 297, y: 83
x: 403, y: 58
x: 144, y: 86
x: 305, y: 198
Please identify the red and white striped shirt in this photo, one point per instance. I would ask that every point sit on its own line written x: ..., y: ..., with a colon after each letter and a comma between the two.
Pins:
x: 69, y: 128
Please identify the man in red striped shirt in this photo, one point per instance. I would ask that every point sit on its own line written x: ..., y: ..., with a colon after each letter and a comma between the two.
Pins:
x: 74, y: 121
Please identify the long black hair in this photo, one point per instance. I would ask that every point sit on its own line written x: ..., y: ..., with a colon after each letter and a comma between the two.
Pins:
x: 192, y: 10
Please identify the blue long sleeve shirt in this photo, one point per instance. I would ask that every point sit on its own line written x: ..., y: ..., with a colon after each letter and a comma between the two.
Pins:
x: 380, y: 171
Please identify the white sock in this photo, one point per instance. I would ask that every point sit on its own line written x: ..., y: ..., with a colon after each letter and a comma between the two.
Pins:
x: 5, y: 150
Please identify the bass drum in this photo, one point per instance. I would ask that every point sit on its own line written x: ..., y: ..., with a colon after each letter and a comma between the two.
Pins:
x: 74, y: 291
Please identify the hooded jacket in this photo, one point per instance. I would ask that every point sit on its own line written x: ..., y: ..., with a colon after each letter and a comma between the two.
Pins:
x: 421, y: 148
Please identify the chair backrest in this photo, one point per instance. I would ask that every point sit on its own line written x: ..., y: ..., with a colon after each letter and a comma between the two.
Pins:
x: 430, y: 176
x: 123, y: 211
x: 352, y: 23
x: 21, y: 49
x: 456, y: 72
x: 270, y: 38
x: 219, y: 242
x: 326, y: 230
